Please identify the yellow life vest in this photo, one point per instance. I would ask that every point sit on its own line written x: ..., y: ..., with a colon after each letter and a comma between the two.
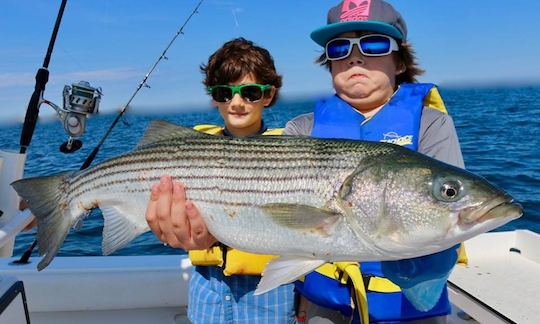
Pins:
x: 218, y: 130
x: 233, y: 261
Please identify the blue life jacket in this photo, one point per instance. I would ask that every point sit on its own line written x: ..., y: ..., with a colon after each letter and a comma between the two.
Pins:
x: 397, y: 122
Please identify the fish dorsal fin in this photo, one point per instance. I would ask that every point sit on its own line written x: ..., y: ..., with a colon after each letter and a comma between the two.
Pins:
x: 160, y: 130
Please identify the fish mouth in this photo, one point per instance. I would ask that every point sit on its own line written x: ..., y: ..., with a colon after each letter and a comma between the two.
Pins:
x: 500, y: 207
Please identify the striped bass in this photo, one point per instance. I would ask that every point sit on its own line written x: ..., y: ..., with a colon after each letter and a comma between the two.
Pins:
x: 307, y: 200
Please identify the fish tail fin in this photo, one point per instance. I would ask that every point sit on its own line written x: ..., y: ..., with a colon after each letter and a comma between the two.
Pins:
x: 45, y: 199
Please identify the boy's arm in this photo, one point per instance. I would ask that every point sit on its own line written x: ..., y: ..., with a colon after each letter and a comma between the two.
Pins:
x: 438, y: 138
x: 301, y: 125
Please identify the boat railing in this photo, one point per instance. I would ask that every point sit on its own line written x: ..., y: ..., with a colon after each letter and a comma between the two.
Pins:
x: 12, y: 221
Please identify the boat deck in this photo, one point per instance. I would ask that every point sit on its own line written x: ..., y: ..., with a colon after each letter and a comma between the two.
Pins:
x: 501, y: 283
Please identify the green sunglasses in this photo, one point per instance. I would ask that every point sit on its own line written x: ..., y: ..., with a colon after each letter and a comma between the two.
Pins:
x: 250, y: 92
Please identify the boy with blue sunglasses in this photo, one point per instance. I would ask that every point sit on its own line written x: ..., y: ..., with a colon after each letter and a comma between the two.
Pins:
x: 374, y: 72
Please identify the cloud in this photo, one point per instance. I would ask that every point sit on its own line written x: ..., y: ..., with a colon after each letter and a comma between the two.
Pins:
x: 225, y: 3
x: 10, y: 53
x: 115, y: 74
x: 8, y: 80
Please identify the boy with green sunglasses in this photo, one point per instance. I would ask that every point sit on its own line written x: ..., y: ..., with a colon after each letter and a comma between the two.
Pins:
x: 242, y: 81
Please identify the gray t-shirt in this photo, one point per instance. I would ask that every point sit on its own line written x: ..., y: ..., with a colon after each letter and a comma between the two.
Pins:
x: 438, y: 137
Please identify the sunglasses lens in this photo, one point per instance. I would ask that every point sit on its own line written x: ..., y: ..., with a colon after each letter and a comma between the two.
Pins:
x: 375, y: 45
x: 251, y: 93
x: 221, y: 94
x: 338, y: 48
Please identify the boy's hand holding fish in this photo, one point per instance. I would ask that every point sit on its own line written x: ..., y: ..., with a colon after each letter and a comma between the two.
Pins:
x: 175, y: 220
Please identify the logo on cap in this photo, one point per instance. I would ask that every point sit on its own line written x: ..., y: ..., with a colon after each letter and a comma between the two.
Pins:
x: 355, y: 10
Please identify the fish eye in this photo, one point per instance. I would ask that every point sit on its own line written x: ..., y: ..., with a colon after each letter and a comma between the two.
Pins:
x: 450, y: 191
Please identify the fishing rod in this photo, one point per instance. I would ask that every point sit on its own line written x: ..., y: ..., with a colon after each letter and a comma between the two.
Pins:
x: 143, y: 83
x: 42, y: 77
x: 32, y: 111
x: 26, y: 256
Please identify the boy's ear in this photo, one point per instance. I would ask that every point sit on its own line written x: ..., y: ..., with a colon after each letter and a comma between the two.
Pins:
x: 268, y: 98
x: 401, y: 68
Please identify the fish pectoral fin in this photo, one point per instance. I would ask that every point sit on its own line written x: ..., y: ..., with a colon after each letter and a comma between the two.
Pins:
x: 118, y: 228
x: 160, y: 130
x: 301, y: 217
x: 284, y: 270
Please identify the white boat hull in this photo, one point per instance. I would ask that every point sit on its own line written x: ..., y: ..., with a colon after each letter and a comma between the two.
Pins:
x: 497, y: 286
x: 113, y: 289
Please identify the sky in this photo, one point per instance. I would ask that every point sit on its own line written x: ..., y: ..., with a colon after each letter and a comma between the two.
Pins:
x: 114, y: 43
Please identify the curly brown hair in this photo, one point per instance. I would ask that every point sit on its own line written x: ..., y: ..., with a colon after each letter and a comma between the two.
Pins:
x: 405, y: 57
x: 238, y: 58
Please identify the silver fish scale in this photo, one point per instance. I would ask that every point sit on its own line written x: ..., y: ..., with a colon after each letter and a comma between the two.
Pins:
x: 277, y: 164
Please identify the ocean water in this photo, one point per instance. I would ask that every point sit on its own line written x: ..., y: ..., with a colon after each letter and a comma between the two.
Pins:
x: 498, y: 130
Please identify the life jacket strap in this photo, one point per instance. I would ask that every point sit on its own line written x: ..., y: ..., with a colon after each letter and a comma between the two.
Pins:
x: 351, y: 270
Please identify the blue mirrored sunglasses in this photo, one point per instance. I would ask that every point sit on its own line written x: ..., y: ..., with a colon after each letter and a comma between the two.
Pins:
x: 369, y: 45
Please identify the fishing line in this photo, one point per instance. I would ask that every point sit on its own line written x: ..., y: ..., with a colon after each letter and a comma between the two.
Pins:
x: 143, y: 83
x: 37, y: 93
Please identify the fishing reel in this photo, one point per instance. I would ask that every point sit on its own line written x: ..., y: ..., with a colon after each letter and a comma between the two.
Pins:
x: 80, y: 100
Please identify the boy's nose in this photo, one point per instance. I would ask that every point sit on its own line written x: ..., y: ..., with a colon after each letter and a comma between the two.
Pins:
x: 237, y: 100
x: 356, y: 57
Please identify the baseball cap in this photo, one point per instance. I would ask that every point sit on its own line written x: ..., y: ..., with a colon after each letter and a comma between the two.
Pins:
x: 352, y: 15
